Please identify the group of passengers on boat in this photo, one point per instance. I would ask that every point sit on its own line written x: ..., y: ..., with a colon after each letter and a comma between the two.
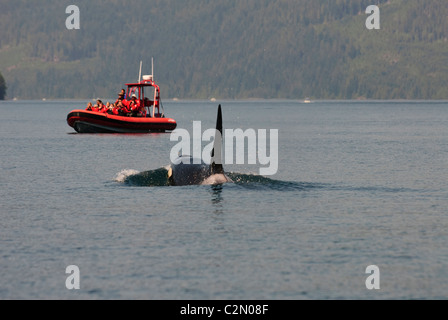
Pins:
x: 121, y: 107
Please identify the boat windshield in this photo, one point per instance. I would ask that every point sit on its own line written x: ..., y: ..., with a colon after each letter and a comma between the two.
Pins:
x: 131, y: 91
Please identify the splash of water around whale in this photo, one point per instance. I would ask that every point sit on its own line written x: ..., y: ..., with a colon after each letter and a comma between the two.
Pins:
x: 159, y: 178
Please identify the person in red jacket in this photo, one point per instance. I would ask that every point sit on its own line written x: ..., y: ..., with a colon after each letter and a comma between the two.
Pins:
x: 120, y: 98
x: 106, y: 108
x: 135, y: 106
x: 124, y: 109
x: 97, y: 106
x: 101, y: 107
x: 112, y: 109
x: 115, y: 110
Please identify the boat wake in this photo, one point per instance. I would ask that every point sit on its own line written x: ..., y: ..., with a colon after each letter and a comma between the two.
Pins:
x: 253, y: 181
x: 159, y: 178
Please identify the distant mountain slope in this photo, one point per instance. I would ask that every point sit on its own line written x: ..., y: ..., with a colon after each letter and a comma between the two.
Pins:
x: 227, y: 48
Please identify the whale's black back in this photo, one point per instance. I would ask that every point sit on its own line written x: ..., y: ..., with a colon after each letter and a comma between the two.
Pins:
x: 185, y: 171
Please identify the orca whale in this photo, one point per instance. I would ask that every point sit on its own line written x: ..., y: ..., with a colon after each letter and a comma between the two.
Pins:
x: 185, y: 170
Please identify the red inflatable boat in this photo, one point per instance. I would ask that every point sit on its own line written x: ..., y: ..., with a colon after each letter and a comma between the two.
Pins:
x: 148, y: 119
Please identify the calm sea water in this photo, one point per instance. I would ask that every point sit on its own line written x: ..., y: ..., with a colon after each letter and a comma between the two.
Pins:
x: 358, y: 184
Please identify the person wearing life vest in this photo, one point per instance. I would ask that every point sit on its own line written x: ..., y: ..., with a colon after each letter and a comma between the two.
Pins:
x: 124, y: 110
x: 101, y: 106
x: 113, y: 109
x: 120, y: 98
x: 134, y: 106
x: 106, y: 108
x: 97, y: 106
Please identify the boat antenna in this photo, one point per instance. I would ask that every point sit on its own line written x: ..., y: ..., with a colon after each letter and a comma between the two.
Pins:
x: 152, y: 68
x: 140, y: 73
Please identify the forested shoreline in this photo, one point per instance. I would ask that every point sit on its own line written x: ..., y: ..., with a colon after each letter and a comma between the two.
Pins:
x: 231, y: 49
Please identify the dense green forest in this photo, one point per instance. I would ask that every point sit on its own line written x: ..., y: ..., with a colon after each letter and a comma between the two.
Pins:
x: 227, y: 49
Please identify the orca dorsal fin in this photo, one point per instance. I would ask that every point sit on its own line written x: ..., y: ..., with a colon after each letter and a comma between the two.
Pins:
x: 216, y: 156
